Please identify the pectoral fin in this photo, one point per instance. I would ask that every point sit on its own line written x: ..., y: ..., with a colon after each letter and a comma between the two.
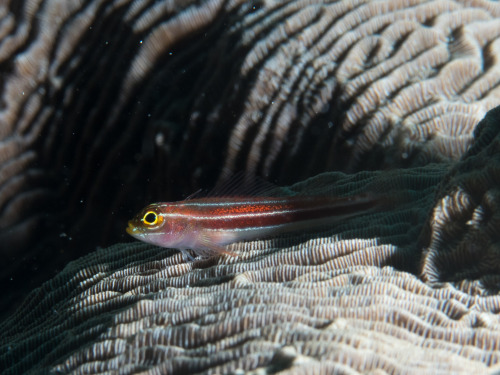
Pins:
x: 210, y: 247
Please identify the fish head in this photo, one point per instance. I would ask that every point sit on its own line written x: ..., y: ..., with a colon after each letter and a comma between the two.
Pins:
x: 150, y: 226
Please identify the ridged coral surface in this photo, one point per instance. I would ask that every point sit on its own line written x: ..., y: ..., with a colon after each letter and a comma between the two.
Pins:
x: 346, y: 299
x: 108, y: 105
x: 462, y: 240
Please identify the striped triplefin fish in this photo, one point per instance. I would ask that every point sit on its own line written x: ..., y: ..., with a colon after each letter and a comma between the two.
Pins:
x: 206, y: 225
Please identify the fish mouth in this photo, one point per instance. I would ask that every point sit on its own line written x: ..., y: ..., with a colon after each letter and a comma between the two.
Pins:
x: 131, y: 229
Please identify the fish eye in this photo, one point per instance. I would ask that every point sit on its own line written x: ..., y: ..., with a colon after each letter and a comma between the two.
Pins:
x: 150, y: 218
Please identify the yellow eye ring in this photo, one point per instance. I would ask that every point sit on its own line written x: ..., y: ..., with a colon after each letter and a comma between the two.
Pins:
x: 150, y: 218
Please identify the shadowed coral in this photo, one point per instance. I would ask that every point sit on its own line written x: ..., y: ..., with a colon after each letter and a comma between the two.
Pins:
x: 108, y: 105
x: 343, y: 299
x: 70, y: 138
x: 463, y: 236
x: 105, y: 97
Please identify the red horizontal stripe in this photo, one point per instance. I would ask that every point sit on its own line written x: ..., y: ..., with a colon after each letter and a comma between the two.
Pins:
x: 243, y: 213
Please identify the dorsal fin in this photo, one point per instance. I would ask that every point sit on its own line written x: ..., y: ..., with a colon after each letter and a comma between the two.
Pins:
x: 197, y: 194
x: 242, y: 185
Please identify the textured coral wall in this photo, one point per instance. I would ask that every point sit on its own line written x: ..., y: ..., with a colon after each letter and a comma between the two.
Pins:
x: 108, y: 105
x: 347, y: 299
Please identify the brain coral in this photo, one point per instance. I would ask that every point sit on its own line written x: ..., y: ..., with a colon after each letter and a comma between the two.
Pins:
x: 106, y: 105
x: 342, y: 300
x: 462, y: 239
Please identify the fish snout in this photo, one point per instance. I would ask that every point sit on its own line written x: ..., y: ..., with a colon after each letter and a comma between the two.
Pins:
x: 131, y: 229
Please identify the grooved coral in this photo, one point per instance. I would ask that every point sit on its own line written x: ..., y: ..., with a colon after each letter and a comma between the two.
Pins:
x: 104, y: 103
x: 344, y: 299
x: 98, y: 97
x: 463, y: 236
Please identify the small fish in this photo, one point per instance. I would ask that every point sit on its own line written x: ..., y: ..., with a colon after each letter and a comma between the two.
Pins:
x: 207, y: 225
